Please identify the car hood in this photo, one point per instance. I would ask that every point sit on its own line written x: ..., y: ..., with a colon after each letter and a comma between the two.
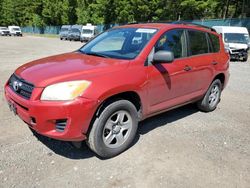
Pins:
x: 68, y: 67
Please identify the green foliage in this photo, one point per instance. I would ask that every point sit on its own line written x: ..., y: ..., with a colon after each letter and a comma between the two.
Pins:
x: 57, y: 12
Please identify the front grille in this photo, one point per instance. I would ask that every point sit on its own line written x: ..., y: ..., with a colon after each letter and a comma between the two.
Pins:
x: 21, y: 87
x: 239, y: 51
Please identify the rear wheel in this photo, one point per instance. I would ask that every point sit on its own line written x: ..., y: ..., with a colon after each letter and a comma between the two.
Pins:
x: 114, y: 130
x: 211, y: 98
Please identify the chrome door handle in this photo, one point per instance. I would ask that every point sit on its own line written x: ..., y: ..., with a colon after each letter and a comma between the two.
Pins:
x: 187, y: 68
x: 214, y: 63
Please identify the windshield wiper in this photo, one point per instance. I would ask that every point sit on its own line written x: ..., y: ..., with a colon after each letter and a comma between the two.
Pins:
x: 96, y: 54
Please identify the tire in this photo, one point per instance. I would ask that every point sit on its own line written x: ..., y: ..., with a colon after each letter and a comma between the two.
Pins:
x: 61, y: 38
x: 245, y: 58
x: 212, y: 97
x: 114, y: 130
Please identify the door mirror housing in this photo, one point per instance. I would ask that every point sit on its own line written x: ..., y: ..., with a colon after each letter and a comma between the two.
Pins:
x: 163, y: 56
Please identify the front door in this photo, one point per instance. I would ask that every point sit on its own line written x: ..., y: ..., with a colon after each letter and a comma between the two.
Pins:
x: 169, y: 83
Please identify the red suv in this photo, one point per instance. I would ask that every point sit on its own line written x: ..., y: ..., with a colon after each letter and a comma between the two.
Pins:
x: 100, y: 92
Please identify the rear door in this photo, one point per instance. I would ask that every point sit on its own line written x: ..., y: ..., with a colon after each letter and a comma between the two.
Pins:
x: 201, y: 62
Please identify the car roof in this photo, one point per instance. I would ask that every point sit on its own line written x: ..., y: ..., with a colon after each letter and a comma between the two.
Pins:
x: 231, y: 29
x: 169, y: 26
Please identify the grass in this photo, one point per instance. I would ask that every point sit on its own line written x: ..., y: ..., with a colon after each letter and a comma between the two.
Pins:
x: 42, y: 35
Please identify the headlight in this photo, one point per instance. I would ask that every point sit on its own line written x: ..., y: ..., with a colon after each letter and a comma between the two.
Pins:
x: 64, y: 90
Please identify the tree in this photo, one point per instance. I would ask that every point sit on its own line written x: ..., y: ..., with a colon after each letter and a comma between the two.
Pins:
x: 7, y: 13
x: 57, y: 12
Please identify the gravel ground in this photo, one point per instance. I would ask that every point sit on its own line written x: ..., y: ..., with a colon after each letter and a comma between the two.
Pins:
x: 180, y: 148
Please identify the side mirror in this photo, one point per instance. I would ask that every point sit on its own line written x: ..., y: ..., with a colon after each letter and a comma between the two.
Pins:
x: 163, y: 56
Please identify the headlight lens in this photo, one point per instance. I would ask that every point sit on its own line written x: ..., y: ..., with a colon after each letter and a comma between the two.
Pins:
x: 64, y: 90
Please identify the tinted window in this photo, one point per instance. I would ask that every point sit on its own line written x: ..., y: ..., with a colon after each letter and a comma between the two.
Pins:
x: 197, y: 42
x: 174, y: 41
x: 215, y: 43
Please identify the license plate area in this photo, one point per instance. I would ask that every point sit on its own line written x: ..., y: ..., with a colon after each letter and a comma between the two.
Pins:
x: 12, y: 107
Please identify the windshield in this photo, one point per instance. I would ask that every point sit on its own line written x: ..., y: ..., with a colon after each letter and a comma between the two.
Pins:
x: 74, y: 30
x: 16, y: 29
x: 236, y: 38
x: 87, y: 31
x: 120, y: 43
x: 64, y: 29
x: 3, y: 28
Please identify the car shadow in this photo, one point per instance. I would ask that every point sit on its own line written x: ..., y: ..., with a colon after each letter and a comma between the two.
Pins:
x: 166, y: 118
x: 66, y: 149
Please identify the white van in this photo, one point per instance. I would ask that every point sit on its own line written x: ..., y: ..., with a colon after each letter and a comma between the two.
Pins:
x: 15, y: 30
x: 236, y: 40
x: 4, y: 31
x: 88, y: 32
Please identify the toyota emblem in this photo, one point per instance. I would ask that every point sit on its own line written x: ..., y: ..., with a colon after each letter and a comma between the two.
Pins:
x: 16, y: 85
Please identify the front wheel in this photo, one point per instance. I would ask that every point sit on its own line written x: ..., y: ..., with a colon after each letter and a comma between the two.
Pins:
x: 114, y: 130
x: 212, y: 97
x: 245, y: 58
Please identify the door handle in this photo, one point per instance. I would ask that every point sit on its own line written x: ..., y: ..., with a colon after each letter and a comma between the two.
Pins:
x: 214, y: 63
x: 187, y: 68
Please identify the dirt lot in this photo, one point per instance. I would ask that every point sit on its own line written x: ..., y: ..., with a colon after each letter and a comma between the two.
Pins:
x: 180, y: 148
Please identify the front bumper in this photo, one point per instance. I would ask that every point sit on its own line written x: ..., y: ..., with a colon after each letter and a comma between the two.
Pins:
x: 18, y: 34
x: 5, y: 34
x: 238, y: 54
x: 73, y: 37
x: 86, y: 38
x: 41, y: 116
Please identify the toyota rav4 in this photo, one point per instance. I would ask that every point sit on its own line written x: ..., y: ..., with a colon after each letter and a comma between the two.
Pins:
x: 100, y: 92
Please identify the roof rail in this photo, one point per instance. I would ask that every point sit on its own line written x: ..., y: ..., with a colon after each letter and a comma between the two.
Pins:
x: 175, y: 22
x: 194, y: 24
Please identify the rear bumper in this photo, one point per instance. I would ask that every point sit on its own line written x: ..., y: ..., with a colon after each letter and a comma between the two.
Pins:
x: 41, y: 116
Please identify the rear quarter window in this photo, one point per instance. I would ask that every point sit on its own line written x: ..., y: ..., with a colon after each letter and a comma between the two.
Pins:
x: 197, y: 42
x: 215, y: 42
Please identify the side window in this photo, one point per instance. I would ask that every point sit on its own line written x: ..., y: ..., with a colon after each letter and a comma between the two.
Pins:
x: 174, y: 41
x: 215, y: 42
x: 197, y: 42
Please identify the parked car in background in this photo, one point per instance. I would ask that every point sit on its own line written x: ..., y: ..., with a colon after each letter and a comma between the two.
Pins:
x: 88, y: 32
x: 100, y: 92
x: 15, y: 31
x: 63, y: 34
x: 236, y: 40
x: 4, y: 31
x: 75, y: 33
